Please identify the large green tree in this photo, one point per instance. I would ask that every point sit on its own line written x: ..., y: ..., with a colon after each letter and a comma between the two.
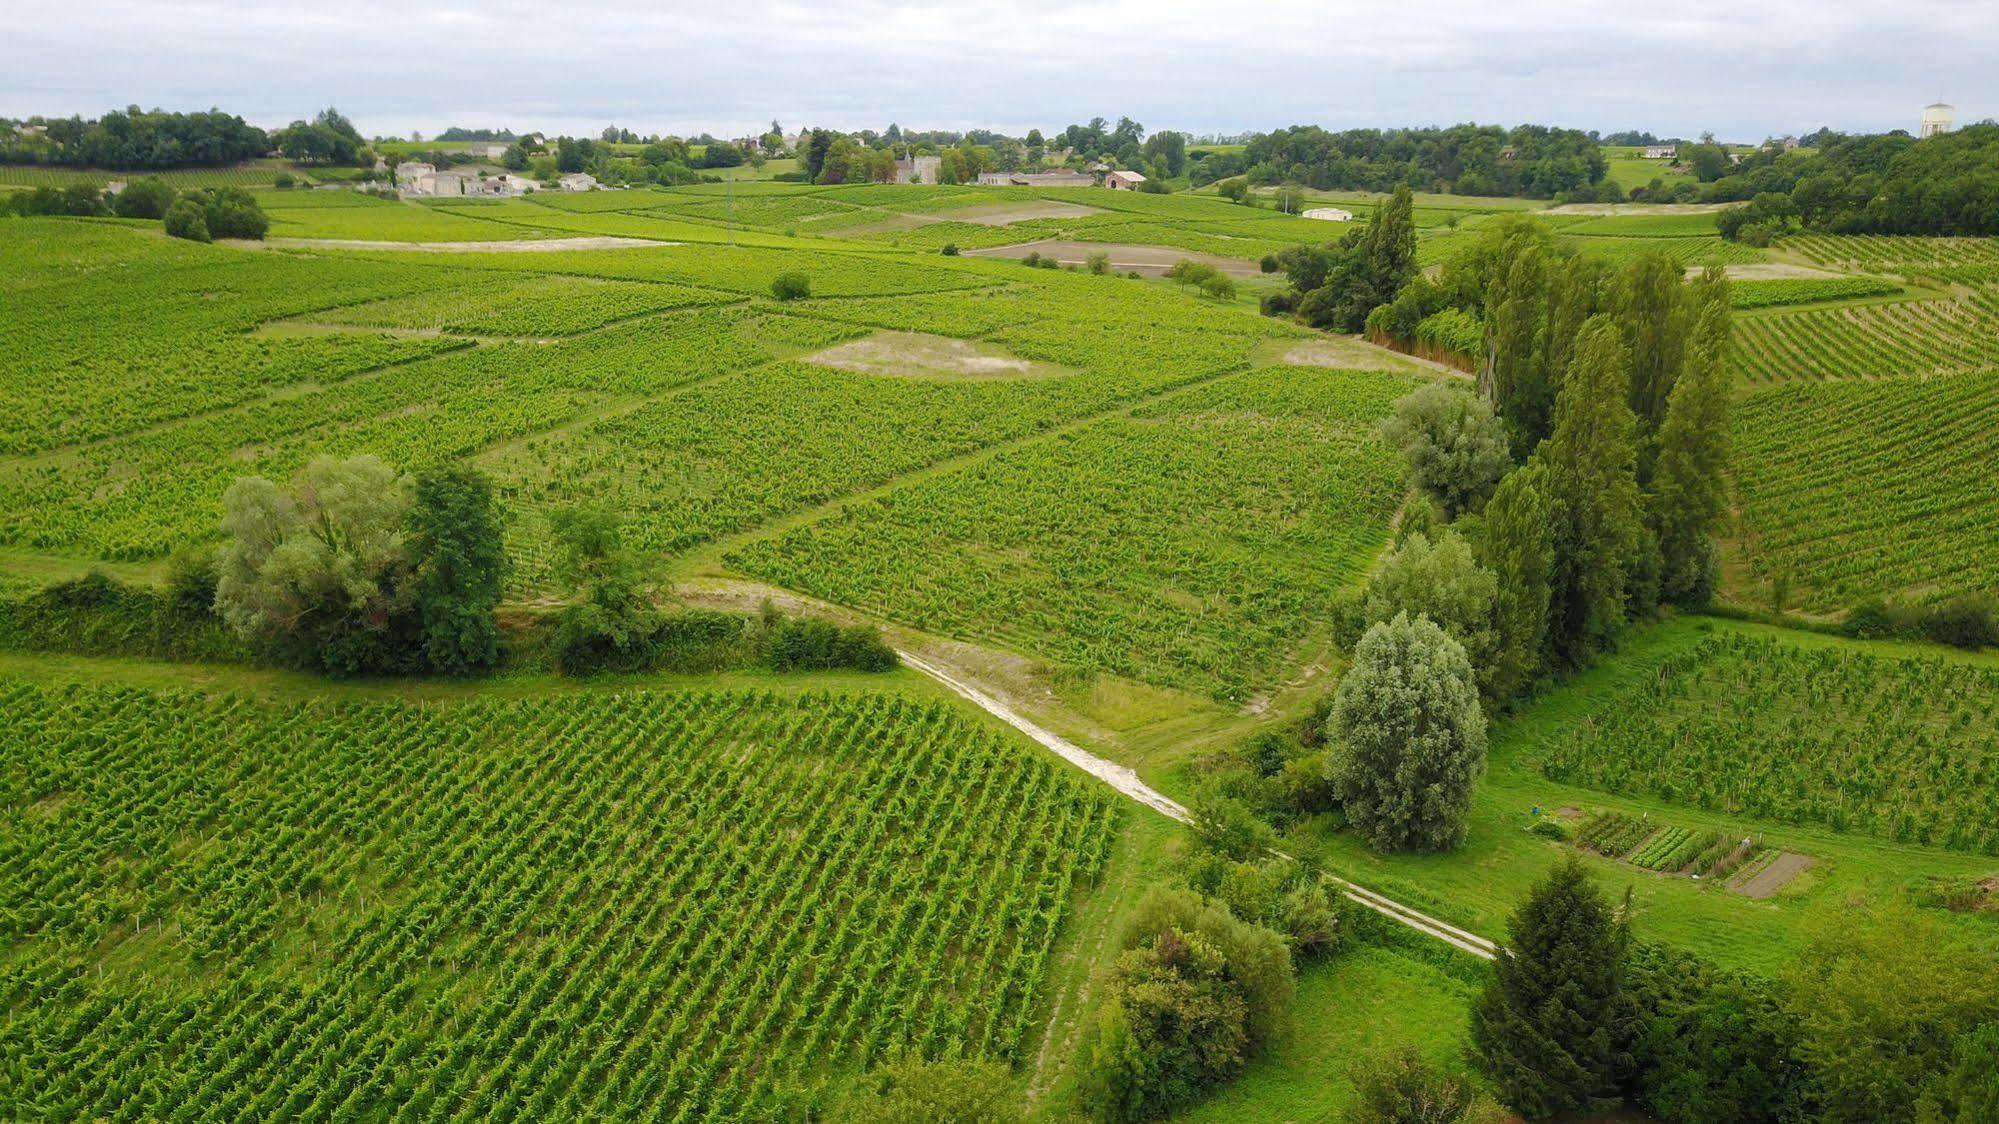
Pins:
x: 1409, y: 737
x: 1689, y: 478
x: 460, y: 565
x: 1517, y: 546
x: 1592, y: 463
x: 1434, y: 575
x: 1453, y: 446
x: 1542, y: 1030
x: 1651, y: 308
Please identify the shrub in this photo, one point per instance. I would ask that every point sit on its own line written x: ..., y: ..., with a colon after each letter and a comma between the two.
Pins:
x: 185, y: 220
x: 231, y: 212
x: 99, y: 616
x: 812, y: 644
x: 1278, y: 303
x: 148, y: 198
x: 950, y: 249
x: 791, y: 286
x: 1269, y: 264
x: 1966, y: 622
x: 1218, y: 286
x: 1032, y: 259
x: 1099, y: 263
x: 1455, y: 448
x: 283, y: 181
x: 1404, y: 1089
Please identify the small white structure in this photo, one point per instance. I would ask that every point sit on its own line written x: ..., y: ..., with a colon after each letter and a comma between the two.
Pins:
x: 409, y: 170
x: 995, y: 179
x: 1937, y: 119
x: 1123, y: 181
x: 1057, y: 178
x: 440, y: 184
x: 114, y: 187
x: 577, y: 181
x: 1662, y: 152
x: 507, y: 184
x: 1328, y: 214
x: 918, y: 169
x: 488, y: 151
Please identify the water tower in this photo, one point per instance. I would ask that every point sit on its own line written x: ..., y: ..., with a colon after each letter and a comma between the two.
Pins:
x: 1936, y: 119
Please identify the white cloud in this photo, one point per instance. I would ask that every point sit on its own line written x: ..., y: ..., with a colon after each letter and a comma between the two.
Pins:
x: 1743, y: 69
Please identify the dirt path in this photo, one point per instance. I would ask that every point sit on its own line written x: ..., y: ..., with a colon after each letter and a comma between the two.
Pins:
x: 1126, y: 781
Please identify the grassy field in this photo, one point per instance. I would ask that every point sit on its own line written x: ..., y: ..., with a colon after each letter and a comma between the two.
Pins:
x: 472, y: 885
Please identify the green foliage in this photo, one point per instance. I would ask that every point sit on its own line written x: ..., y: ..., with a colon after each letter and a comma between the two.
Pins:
x: 909, y: 1090
x: 98, y: 616
x: 1872, y: 489
x: 1708, y: 1044
x: 1886, y: 745
x: 1456, y: 450
x: 148, y: 198
x: 1439, y: 581
x: 1409, y: 737
x: 185, y: 219
x: 385, y: 881
x: 1806, y: 290
x: 1689, y: 479
x: 1592, y: 467
x: 1172, y: 1025
x: 1969, y: 1091
x: 459, y: 566
x: 1879, y: 1002
x: 791, y: 286
x: 1517, y: 546
x: 1402, y: 1088
x: 1543, y: 1029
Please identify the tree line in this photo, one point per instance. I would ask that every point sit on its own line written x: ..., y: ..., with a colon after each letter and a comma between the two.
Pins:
x: 1944, y: 185
x: 134, y: 139
x: 199, y: 216
x: 1534, y: 161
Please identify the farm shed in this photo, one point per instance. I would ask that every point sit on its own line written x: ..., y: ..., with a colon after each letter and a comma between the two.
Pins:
x: 1123, y: 181
x: 1328, y: 214
x: 577, y: 181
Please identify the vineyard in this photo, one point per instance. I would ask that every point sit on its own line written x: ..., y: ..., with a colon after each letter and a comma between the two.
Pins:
x: 1862, y: 489
x: 1806, y: 290
x: 1872, y: 341
x: 711, y: 905
x: 1900, y: 748
x: 1192, y: 543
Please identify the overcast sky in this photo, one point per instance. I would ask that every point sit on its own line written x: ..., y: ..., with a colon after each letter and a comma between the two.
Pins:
x: 1743, y: 68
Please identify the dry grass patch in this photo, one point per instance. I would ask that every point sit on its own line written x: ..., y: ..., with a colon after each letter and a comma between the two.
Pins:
x: 918, y: 355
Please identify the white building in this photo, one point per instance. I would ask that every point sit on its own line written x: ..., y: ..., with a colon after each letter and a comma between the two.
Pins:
x: 918, y: 169
x: 1936, y: 119
x: 1328, y: 214
x: 507, y: 184
x: 1662, y: 152
x: 441, y: 184
x: 995, y: 179
x: 486, y: 150
x: 409, y: 170
x: 577, y: 181
x: 1123, y: 181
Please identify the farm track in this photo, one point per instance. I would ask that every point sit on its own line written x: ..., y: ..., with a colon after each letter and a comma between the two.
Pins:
x: 1127, y: 782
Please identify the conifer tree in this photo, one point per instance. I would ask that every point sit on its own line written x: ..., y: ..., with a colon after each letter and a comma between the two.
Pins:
x: 1542, y: 1030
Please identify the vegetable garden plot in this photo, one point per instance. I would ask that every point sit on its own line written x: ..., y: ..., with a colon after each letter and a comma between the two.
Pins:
x: 1868, y: 489
x: 710, y: 905
x: 1904, y: 749
x: 1192, y: 544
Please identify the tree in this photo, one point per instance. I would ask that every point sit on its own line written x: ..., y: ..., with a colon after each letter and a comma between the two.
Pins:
x: 1880, y: 1001
x: 185, y: 220
x: 1706, y: 1044
x: 459, y: 563
x: 1592, y: 463
x: 1968, y: 1092
x: 1402, y: 1088
x: 1454, y: 447
x: 1411, y: 737
x: 1689, y: 479
x: 319, y: 573
x: 1707, y: 160
x: 1517, y: 546
x: 328, y: 138
x: 1541, y: 1030
x: 1172, y: 1025
x: 148, y: 198
x: 1440, y: 581
x: 791, y: 285
x: 909, y: 1090
x: 1650, y: 306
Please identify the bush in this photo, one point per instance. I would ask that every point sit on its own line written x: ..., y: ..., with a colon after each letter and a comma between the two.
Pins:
x: 283, y: 181
x: 1966, y: 622
x: 950, y: 249
x: 791, y: 286
x: 811, y: 644
x: 1099, y: 263
x: 1032, y: 259
x: 231, y: 212
x: 1269, y: 264
x: 185, y: 220
x: 1218, y: 286
x: 148, y: 198
x: 1278, y: 303
x: 96, y: 615
x: 1405, y: 1089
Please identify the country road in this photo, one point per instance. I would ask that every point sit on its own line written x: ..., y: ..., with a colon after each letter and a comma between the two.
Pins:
x: 1127, y: 781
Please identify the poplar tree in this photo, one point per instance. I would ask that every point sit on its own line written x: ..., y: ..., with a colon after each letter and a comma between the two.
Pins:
x: 1542, y: 1031
x: 1518, y: 549
x: 1688, y: 486
x: 1651, y: 309
x: 1592, y: 463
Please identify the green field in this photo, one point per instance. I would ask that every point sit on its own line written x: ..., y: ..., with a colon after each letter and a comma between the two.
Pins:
x: 719, y: 889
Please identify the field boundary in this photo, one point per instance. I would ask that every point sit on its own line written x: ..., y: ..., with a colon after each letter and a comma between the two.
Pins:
x: 1127, y: 782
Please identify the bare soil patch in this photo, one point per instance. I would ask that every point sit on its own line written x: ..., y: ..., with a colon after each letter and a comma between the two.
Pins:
x: 1151, y: 260
x: 1765, y: 880
x: 916, y: 355
x: 1636, y: 208
x: 1770, y: 271
x: 1346, y: 353
x: 1006, y: 214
